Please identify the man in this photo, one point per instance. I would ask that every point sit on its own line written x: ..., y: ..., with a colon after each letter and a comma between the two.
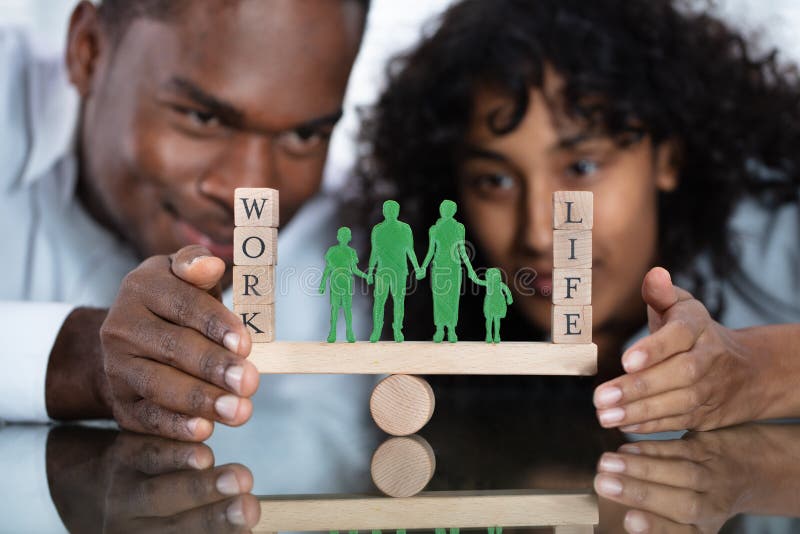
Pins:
x: 392, y: 247
x: 178, y: 103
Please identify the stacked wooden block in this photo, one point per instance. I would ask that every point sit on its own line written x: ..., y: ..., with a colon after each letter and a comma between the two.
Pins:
x: 255, y: 242
x: 572, y: 267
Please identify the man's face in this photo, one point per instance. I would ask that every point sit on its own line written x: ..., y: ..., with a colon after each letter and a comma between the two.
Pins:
x: 230, y: 94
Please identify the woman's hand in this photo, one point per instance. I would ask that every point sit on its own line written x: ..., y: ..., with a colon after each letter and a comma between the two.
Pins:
x: 689, y: 373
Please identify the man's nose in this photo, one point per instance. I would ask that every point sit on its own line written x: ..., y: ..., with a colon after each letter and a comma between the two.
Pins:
x: 249, y: 161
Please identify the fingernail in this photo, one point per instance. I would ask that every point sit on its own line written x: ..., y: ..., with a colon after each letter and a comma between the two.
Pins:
x: 634, y: 361
x: 197, y: 258
x: 235, y: 513
x: 635, y: 521
x: 226, y: 406
x: 630, y: 448
x: 227, y: 484
x: 607, y: 396
x: 231, y: 341
x: 233, y: 377
x: 191, y: 424
x: 192, y: 461
x: 607, y: 485
x: 630, y: 428
x: 612, y: 464
x: 614, y: 415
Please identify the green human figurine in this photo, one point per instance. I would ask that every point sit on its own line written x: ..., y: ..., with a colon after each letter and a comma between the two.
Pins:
x: 495, y: 303
x: 447, y: 252
x: 341, y: 263
x: 392, y: 248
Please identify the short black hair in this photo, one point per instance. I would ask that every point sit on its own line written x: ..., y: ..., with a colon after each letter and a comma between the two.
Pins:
x: 117, y: 15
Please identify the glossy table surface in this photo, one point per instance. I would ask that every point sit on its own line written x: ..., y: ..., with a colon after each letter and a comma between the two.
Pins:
x: 516, y: 454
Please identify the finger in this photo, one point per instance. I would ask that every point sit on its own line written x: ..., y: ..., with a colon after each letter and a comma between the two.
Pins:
x: 155, y: 455
x: 660, y: 294
x: 146, y: 417
x: 174, y: 493
x: 679, y: 449
x: 669, y: 472
x: 680, y: 371
x: 195, y: 264
x: 185, y: 305
x: 189, y: 351
x: 678, y: 334
x: 234, y: 515
x: 178, y: 392
x: 672, y: 403
x: 637, y: 522
x: 677, y: 504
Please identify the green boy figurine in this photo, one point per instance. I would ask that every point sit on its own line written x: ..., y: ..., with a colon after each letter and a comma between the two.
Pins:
x: 392, y: 248
x: 341, y: 263
x: 498, y: 297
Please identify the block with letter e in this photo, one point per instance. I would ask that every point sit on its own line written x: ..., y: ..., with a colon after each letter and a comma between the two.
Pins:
x: 572, y: 324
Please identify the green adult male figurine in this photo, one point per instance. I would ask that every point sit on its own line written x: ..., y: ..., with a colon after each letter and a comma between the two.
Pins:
x: 447, y: 251
x: 341, y: 263
x: 392, y: 247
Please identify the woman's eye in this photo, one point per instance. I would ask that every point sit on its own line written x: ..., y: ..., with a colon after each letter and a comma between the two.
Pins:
x: 583, y: 167
x: 496, y: 181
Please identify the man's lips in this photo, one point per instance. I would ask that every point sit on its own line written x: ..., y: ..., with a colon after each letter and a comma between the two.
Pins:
x: 195, y: 237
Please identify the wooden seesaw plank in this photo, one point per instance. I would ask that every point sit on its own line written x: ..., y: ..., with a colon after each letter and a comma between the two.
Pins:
x: 427, y: 510
x: 425, y: 358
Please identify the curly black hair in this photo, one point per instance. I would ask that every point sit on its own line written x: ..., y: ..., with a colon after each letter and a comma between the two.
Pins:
x: 647, y: 67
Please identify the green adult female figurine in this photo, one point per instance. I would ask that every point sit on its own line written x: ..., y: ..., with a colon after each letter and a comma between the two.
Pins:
x: 495, y: 303
x: 341, y: 263
x: 447, y: 251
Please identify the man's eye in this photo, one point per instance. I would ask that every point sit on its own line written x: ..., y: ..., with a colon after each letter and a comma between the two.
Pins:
x: 583, y: 167
x: 302, y: 141
x: 202, y: 118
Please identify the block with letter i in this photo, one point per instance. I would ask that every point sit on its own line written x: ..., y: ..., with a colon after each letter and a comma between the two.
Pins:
x: 573, y: 217
x: 255, y: 254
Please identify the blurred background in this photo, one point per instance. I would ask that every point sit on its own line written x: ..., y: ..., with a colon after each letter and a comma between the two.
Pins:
x: 394, y: 26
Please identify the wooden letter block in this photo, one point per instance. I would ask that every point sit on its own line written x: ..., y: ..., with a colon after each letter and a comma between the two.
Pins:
x: 572, y: 324
x: 573, y: 210
x: 254, y: 284
x: 256, y: 206
x: 255, y: 245
x: 259, y: 320
x: 572, y: 249
x: 572, y: 287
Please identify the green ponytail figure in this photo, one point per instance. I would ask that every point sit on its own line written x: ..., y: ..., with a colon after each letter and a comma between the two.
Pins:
x: 341, y: 263
x: 495, y: 304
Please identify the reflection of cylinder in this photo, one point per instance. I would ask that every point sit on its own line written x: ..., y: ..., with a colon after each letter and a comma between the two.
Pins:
x: 403, y: 466
x: 402, y: 404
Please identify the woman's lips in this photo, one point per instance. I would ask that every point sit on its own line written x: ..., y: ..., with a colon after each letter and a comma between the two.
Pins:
x: 543, y: 284
x: 196, y: 237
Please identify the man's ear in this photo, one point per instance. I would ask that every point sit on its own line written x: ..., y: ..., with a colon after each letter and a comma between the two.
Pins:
x: 668, y: 164
x: 85, y: 40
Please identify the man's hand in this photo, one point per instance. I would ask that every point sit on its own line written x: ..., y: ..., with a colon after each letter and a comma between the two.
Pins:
x: 690, y: 373
x: 173, y: 354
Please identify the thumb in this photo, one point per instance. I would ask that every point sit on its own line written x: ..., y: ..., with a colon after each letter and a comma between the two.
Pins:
x: 196, y: 265
x: 657, y: 290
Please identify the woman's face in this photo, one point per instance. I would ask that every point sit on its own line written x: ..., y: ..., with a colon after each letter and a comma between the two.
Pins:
x: 506, y: 187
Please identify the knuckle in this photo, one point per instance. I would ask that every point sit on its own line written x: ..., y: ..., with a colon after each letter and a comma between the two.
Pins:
x: 212, y: 369
x: 693, y: 397
x: 197, y: 400
x: 214, y: 327
x: 181, y: 304
x: 167, y: 346
x: 691, y: 369
x: 639, y: 493
x: 691, y: 511
x: 149, y: 416
x: 640, y: 386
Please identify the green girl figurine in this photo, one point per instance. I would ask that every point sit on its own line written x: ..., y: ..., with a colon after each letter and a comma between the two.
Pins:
x: 496, y: 302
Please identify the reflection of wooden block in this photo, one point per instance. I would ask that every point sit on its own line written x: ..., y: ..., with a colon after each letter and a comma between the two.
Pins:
x: 402, y: 404
x: 572, y: 287
x: 259, y: 320
x: 403, y: 466
x: 572, y: 324
x: 255, y: 246
x: 572, y: 249
x: 256, y: 206
x: 573, y: 210
x: 254, y: 284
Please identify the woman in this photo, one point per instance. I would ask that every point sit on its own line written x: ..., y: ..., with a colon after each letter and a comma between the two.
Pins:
x: 689, y: 144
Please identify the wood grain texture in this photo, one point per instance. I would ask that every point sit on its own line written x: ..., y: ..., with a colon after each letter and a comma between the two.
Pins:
x: 572, y: 287
x: 572, y: 324
x: 259, y: 320
x: 402, y: 404
x: 574, y: 529
x: 403, y: 466
x: 572, y: 249
x: 255, y: 245
x: 425, y: 358
x: 427, y: 510
x: 266, y: 203
x: 573, y: 210
x: 254, y: 284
